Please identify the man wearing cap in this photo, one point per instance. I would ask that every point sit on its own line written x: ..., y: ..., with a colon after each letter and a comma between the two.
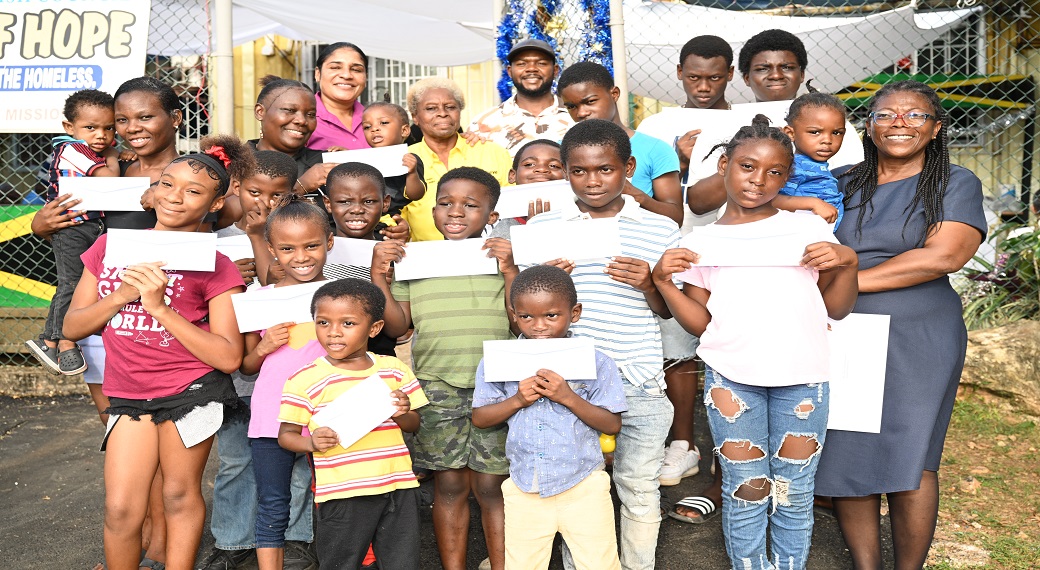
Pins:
x: 534, y: 112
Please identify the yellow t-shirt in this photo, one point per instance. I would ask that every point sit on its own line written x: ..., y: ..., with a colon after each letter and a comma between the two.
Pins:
x: 486, y: 155
x: 378, y: 462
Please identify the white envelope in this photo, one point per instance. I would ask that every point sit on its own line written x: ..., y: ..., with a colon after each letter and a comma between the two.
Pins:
x: 235, y: 247
x: 386, y: 158
x: 353, y: 252
x: 184, y: 251
x: 514, y: 360
x: 265, y: 308
x: 358, y: 411
x: 105, y: 193
x: 577, y: 240
x: 514, y: 199
x: 445, y: 258
x: 859, y: 356
x: 782, y: 249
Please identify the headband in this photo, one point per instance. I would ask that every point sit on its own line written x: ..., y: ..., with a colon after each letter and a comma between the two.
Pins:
x: 217, y: 160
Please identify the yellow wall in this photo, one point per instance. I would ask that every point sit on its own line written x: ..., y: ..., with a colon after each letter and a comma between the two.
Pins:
x: 250, y: 66
x: 479, y: 86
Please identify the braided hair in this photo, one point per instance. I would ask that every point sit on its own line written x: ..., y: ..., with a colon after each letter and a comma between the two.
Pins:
x: 758, y: 129
x: 931, y: 183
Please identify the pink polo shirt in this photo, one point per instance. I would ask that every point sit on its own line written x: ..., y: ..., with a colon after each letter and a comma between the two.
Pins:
x: 330, y: 131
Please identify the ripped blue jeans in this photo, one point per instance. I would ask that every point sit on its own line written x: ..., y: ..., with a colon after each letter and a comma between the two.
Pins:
x: 768, y: 441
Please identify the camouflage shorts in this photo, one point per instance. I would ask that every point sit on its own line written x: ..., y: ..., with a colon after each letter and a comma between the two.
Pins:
x: 447, y: 438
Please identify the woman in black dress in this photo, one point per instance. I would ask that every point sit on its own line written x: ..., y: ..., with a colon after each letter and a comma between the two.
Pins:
x: 912, y: 219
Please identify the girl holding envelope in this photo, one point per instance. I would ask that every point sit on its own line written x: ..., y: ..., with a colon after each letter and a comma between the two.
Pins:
x: 299, y: 236
x: 763, y: 342
x: 171, y: 341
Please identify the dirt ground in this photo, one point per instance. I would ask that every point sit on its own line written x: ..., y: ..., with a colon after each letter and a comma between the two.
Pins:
x: 51, y: 494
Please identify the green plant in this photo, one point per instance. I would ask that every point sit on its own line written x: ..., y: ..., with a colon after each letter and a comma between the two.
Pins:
x: 1008, y: 290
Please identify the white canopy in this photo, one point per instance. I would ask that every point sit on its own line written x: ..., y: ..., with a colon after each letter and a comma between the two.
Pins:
x: 841, y: 50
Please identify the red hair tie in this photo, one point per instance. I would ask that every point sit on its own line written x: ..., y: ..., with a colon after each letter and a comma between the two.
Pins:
x: 218, y: 153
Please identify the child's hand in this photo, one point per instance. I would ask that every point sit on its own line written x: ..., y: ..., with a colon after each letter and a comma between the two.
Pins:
x: 564, y: 264
x: 527, y: 393
x: 824, y: 210
x: 147, y: 200
x: 536, y: 207
x: 401, y: 402
x: 630, y: 190
x: 256, y: 220
x: 336, y: 148
x: 275, y: 272
x: 273, y: 339
x: 409, y: 161
x: 501, y: 249
x: 551, y: 385
x: 323, y: 439
x: 127, y: 156
x: 401, y: 232
x: 150, y: 281
x: 673, y: 261
x: 684, y: 146
x: 824, y: 256
x: 383, y: 254
x: 631, y: 271
x: 247, y: 269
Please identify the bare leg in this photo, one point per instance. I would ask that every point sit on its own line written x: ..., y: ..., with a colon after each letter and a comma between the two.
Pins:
x: 182, y: 495
x: 488, y: 491
x: 100, y: 402
x: 451, y: 515
x: 153, y: 532
x: 682, y: 392
x: 131, y: 460
x: 914, y: 514
x: 860, y: 521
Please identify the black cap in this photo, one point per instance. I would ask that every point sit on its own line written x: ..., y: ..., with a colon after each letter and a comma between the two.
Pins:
x: 531, y: 43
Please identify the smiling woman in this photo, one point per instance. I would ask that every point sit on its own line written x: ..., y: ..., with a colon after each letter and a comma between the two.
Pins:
x: 341, y: 73
x: 436, y: 105
x: 287, y: 115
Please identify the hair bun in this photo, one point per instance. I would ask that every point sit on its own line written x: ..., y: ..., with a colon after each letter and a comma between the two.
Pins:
x: 761, y: 119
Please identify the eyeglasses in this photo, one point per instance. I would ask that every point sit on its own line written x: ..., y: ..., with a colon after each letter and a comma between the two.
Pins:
x: 909, y: 119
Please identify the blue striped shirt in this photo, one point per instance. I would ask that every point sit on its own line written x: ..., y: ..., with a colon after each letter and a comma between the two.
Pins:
x: 617, y: 315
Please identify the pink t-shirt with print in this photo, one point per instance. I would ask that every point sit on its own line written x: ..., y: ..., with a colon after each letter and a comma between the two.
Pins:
x: 143, y: 360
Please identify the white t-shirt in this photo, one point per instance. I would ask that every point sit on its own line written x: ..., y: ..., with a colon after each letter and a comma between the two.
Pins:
x: 769, y: 324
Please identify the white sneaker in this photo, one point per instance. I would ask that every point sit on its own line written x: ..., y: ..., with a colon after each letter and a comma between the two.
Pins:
x: 679, y: 461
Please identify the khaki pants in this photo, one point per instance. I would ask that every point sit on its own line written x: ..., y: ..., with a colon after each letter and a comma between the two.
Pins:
x: 583, y: 514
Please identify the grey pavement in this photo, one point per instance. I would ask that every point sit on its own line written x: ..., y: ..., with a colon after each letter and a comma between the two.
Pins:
x: 52, y: 497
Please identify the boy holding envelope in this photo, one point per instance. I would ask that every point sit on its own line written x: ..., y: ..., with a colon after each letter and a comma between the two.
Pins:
x: 557, y: 482
x: 453, y: 316
x: 365, y: 490
x: 619, y: 301
x: 86, y: 151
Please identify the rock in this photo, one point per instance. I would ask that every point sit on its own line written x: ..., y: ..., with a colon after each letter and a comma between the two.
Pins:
x: 1005, y: 361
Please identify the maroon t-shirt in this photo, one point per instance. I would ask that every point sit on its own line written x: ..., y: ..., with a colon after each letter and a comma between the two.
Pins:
x: 142, y: 360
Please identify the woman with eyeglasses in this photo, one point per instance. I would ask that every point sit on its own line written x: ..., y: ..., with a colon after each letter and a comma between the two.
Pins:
x: 912, y: 219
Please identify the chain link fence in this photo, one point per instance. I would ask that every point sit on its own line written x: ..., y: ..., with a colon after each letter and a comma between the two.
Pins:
x: 982, y: 59
x: 27, y: 275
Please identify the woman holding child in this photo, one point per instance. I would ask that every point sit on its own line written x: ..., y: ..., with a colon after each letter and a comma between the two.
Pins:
x: 912, y: 218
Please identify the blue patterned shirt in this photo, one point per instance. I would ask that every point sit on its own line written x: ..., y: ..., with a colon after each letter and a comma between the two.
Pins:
x: 549, y: 449
x: 814, y: 179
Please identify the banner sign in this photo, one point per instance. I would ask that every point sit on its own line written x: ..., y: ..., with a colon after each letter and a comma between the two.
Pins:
x: 52, y: 48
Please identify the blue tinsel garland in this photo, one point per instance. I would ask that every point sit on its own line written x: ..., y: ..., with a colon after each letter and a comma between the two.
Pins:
x: 595, y: 46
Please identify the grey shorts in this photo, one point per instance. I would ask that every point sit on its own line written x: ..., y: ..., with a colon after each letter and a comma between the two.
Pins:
x: 678, y: 345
